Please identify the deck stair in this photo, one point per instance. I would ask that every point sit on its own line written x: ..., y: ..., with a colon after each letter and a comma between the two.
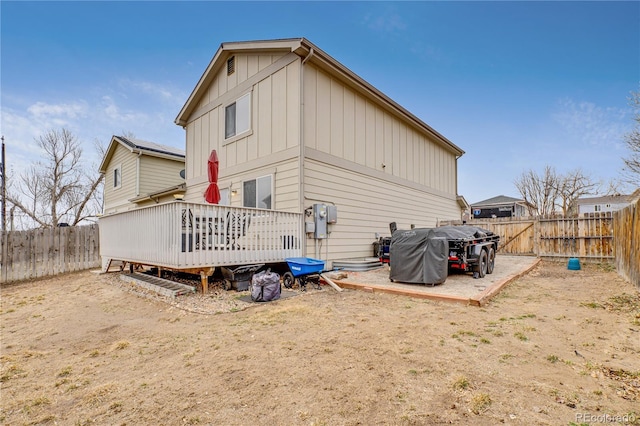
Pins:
x: 159, y: 285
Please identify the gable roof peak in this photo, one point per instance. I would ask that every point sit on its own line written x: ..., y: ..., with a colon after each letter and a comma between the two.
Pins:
x: 307, y: 51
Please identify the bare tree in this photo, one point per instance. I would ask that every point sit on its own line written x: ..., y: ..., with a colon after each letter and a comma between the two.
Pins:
x: 57, y: 188
x: 572, y: 186
x: 631, y: 170
x: 544, y: 193
x: 613, y: 187
x: 539, y: 191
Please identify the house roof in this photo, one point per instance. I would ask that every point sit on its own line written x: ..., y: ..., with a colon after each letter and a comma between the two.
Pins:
x: 606, y: 199
x: 500, y: 199
x: 139, y: 146
x: 176, y: 189
x: 462, y: 202
x: 309, y: 52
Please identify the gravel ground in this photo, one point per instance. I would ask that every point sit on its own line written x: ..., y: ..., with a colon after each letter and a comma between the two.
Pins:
x: 216, y: 301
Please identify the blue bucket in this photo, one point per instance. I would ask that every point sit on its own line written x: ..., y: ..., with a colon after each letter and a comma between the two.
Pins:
x: 574, y: 264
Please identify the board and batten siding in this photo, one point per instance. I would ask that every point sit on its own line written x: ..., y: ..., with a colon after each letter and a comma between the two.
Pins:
x: 158, y: 173
x: 367, y: 202
x: 343, y: 123
x: 282, y: 167
x: 118, y: 198
x: 247, y: 65
x: 274, y: 83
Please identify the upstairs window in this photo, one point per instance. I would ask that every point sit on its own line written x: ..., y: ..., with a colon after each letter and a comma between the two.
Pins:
x: 237, y: 117
x: 117, y: 177
x: 257, y: 193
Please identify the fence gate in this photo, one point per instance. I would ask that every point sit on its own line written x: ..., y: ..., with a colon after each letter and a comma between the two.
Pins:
x: 516, y: 236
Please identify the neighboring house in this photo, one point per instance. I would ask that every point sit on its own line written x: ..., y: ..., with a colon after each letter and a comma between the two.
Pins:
x: 294, y: 127
x: 607, y: 203
x: 139, y: 173
x: 500, y: 206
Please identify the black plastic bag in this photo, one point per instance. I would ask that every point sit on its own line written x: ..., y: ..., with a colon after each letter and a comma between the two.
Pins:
x: 265, y: 286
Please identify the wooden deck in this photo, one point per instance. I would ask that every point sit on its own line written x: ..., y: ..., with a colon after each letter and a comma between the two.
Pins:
x: 194, y: 237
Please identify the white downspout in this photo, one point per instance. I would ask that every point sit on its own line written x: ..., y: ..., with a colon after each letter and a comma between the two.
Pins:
x: 302, y: 152
x: 138, y: 173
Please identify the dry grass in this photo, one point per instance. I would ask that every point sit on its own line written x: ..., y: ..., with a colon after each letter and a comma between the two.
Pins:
x: 480, y: 403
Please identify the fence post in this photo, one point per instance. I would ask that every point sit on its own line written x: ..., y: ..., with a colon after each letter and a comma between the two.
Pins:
x: 3, y: 264
x: 536, y: 237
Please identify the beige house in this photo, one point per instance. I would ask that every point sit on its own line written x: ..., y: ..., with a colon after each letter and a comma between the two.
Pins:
x: 293, y: 127
x: 313, y: 161
x: 139, y: 173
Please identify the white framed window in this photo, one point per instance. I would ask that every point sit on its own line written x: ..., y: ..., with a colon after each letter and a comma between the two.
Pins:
x: 257, y: 193
x: 237, y: 116
x: 117, y: 177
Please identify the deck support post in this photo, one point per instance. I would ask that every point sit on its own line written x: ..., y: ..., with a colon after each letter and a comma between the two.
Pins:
x: 204, y: 279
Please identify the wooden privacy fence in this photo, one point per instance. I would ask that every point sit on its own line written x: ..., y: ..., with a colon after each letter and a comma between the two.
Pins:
x: 49, y: 251
x: 626, y: 231
x: 589, y: 237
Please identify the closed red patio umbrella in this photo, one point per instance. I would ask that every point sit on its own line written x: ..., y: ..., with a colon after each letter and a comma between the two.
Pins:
x: 212, y: 194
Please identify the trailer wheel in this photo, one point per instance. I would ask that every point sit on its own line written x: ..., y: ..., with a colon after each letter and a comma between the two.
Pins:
x: 288, y: 279
x: 491, y: 260
x: 376, y: 249
x: 481, y: 268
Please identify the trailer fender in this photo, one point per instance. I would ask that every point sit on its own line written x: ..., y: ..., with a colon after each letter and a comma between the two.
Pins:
x: 476, y: 249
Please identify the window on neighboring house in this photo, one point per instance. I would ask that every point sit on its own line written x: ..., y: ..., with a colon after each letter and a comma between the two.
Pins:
x: 597, y: 208
x: 237, y: 116
x: 117, y: 177
x: 257, y: 193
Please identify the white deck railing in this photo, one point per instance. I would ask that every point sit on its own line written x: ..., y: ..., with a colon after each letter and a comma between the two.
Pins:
x: 183, y: 235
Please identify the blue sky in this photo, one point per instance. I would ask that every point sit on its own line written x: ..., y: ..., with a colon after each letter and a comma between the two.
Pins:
x: 517, y: 85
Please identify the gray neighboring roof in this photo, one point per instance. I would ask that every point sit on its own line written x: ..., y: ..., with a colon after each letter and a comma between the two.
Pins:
x: 500, y: 199
x: 142, y: 147
x: 606, y: 199
x: 152, y: 146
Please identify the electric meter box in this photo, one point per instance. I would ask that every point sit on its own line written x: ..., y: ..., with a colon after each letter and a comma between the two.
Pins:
x: 309, y: 227
x: 320, y: 219
x: 332, y: 215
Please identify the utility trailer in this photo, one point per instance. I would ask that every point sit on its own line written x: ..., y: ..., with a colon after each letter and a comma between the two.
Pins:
x: 471, y: 249
x: 427, y: 255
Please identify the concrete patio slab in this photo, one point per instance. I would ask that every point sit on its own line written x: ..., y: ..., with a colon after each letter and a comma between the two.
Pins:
x: 458, y: 288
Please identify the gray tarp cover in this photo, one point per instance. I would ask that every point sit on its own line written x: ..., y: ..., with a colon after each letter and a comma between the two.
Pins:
x: 463, y: 232
x: 421, y: 255
x: 418, y: 256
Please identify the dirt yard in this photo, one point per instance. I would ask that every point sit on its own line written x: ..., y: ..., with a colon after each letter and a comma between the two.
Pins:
x: 555, y: 347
